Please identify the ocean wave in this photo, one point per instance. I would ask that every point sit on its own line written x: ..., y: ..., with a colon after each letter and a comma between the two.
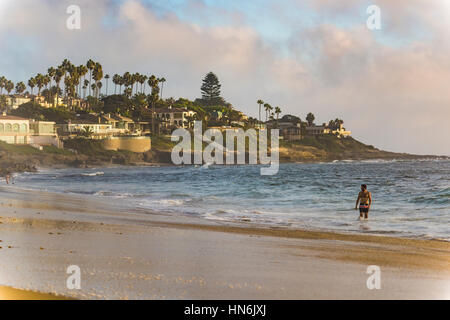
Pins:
x: 106, y: 193
x: 163, y: 202
x: 94, y: 174
x: 436, y: 200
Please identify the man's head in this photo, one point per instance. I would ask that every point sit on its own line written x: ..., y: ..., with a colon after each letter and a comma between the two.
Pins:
x: 363, y: 187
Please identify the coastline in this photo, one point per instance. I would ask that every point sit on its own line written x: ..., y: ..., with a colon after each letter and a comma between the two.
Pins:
x: 35, y: 168
x: 24, y: 158
x: 136, y: 255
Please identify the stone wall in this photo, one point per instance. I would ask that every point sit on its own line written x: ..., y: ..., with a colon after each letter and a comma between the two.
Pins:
x: 133, y: 144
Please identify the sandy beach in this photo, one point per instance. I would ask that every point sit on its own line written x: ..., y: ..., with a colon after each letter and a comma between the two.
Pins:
x: 126, y: 254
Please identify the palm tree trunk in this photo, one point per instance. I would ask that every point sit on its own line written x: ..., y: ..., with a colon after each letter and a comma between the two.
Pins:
x: 57, y: 95
x: 259, y: 113
x: 90, y: 81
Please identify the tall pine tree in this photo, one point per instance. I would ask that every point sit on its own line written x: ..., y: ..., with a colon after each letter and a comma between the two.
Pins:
x: 211, y: 89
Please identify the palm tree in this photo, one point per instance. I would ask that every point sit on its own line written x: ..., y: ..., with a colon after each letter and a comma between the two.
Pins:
x: 98, y: 76
x: 82, y: 71
x: 2, y: 83
x: 20, y: 87
x: 47, y: 81
x: 99, y: 88
x: 107, y: 78
x: 142, y: 79
x: 57, y: 78
x: 277, y: 112
x: 32, y: 84
x: 267, y: 108
x: 67, y: 67
x: 116, y: 81
x: 94, y: 87
x: 70, y: 84
x: 121, y: 83
x: 74, y: 82
x: 127, y: 81
x: 90, y: 65
x: 136, y: 78
x: 9, y: 86
x: 87, y: 132
x: 85, y: 86
x: 39, y: 82
x: 162, y: 80
x: 260, y: 103
x: 153, y: 82
x: 51, y: 72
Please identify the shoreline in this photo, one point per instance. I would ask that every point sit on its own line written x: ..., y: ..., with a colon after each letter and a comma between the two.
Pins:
x: 239, y: 222
x: 238, y: 226
x: 34, y: 167
x: 154, y: 256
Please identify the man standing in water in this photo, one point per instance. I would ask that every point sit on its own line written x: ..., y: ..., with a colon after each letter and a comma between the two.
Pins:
x: 365, y: 201
x: 7, y: 177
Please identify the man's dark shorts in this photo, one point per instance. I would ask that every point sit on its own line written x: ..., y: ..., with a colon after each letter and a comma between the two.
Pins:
x: 363, y: 208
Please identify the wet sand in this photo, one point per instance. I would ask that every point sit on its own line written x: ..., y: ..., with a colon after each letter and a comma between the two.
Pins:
x: 7, y: 293
x: 126, y: 254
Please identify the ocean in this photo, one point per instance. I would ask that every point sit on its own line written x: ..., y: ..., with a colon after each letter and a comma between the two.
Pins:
x: 410, y: 198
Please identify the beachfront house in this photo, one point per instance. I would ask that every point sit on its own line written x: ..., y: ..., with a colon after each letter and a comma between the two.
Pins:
x: 14, y: 130
x: 17, y: 130
x: 120, y: 124
x: 90, y: 125
x: 43, y: 133
x: 174, y: 117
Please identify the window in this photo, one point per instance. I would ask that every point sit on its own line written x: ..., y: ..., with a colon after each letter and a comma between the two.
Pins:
x: 15, y: 127
x: 23, y: 128
x: 2, y: 127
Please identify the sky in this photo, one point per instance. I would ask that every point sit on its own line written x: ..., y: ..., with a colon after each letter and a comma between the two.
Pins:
x: 390, y: 86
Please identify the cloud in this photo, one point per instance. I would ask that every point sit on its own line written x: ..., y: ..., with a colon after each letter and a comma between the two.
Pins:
x: 392, y: 95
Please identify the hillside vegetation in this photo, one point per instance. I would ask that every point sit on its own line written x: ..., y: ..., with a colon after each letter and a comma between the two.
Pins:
x: 330, y: 147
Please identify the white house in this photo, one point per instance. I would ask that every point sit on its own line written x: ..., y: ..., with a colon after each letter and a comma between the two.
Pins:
x: 99, y: 128
x: 43, y: 133
x: 174, y: 116
x: 120, y: 124
x: 17, y: 130
x: 14, y: 130
x: 14, y: 101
